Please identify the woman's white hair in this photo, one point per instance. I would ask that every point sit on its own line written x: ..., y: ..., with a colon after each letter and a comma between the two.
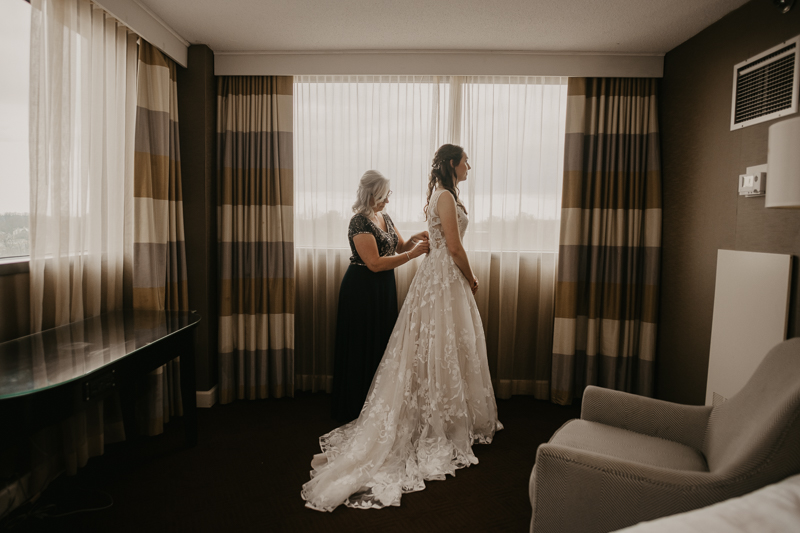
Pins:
x: 373, y: 184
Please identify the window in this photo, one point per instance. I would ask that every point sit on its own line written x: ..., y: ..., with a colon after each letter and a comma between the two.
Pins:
x: 15, y: 22
x: 346, y: 125
x: 512, y: 129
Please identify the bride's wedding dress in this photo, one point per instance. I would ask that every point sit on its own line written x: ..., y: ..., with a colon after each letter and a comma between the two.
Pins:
x: 430, y: 400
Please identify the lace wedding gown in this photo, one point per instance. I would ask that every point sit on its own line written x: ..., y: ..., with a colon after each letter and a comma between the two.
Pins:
x: 430, y: 400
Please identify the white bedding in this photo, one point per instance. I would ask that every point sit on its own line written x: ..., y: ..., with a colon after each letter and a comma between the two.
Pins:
x: 774, y: 508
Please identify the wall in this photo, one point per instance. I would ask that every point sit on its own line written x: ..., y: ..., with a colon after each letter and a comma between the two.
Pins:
x: 702, y: 213
x: 197, y: 114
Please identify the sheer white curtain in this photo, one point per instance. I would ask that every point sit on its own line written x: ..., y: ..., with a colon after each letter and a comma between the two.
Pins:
x: 82, y: 112
x: 81, y: 137
x: 343, y: 126
x: 83, y: 104
x: 512, y: 129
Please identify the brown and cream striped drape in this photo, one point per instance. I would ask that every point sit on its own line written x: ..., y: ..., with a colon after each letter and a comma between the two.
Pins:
x: 610, y: 243
x: 159, y: 253
x: 256, y: 237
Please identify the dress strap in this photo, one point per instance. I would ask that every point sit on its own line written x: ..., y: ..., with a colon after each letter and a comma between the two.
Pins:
x: 434, y: 202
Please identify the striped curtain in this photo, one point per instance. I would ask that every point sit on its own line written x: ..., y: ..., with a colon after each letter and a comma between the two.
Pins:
x: 159, y: 252
x: 610, y: 243
x: 256, y: 237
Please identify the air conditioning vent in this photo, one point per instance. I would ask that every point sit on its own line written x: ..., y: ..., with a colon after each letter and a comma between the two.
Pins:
x: 765, y: 86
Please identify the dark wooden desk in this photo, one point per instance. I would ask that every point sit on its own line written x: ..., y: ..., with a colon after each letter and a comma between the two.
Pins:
x: 46, y: 377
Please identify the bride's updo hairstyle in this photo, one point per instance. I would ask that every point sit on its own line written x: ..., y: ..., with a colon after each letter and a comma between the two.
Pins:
x: 443, y: 170
x: 374, y: 185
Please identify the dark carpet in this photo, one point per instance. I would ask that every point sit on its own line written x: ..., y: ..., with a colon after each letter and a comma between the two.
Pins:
x: 253, y: 456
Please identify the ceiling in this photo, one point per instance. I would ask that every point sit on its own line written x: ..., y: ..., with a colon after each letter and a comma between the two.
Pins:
x: 610, y: 26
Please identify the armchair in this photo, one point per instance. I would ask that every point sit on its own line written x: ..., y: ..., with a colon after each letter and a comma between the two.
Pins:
x: 630, y: 458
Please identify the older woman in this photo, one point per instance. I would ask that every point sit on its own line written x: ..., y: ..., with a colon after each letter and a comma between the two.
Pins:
x: 368, y: 296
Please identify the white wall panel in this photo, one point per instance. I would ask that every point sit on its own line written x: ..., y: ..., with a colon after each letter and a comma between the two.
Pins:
x: 751, y: 307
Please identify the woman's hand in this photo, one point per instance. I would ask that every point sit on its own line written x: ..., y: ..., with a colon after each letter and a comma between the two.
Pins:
x: 474, y: 285
x: 422, y: 247
x: 421, y: 236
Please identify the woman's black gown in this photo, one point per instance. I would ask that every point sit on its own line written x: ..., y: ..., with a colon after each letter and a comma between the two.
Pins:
x: 366, y: 316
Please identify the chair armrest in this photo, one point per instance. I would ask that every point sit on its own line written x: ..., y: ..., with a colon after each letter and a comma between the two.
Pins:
x: 685, y: 424
x: 577, y: 490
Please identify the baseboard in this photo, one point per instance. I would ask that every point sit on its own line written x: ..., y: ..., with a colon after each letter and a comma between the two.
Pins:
x: 207, y: 398
x: 505, y: 388
x: 313, y: 382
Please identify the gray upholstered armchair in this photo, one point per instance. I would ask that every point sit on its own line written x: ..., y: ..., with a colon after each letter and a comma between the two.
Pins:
x: 631, y: 458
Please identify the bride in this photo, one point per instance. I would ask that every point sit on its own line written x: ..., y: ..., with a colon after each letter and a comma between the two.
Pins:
x: 432, y: 395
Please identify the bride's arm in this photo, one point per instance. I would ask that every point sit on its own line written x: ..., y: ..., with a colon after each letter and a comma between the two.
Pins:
x: 447, y: 213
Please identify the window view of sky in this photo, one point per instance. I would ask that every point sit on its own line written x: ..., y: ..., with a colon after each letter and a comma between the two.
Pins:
x: 15, y: 25
x: 511, y: 128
